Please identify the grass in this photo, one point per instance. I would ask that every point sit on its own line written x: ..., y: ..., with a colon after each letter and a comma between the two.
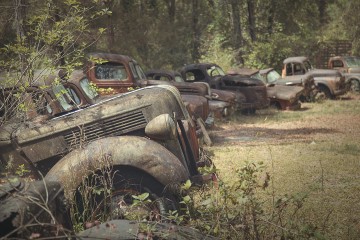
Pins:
x: 324, y: 165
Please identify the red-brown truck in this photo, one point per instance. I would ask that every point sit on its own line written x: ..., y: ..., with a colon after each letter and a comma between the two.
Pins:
x: 349, y: 66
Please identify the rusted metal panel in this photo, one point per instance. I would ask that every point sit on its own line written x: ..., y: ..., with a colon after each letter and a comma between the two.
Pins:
x: 153, y: 159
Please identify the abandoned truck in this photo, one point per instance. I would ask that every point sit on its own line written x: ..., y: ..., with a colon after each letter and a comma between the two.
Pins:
x: 140, y: 137
x: 329, y: 82
x: 222, y: 103
x: 271, y: 76
x: 349, y: 66
x: 116, y: 73
x: 250, y: 95
x: 281, y: 97
x: 84, y: 94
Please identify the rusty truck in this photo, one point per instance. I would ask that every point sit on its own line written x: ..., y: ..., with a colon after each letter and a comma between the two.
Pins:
x: 142, y: 138
x: 331, y: 83
x: 349, y: 66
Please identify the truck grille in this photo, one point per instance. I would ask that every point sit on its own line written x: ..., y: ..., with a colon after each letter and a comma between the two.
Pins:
x: 112, y: 126
x: 185, y: 90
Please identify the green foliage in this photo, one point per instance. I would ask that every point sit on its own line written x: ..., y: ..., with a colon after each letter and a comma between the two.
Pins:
x: 236, y: 210
x: 21, y: 170
x: 50, y: 35
x: 270, y: 53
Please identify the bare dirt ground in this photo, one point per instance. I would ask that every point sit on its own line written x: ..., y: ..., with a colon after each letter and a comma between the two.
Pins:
x: 312, y: 127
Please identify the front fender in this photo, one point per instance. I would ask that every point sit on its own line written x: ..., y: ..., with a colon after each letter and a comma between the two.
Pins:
x: 138, y: 152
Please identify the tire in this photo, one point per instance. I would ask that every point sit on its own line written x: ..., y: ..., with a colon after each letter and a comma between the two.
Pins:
x: 326, y: 92
x: 276, y: 106
x: 117, y: 203
x: 354, y: 85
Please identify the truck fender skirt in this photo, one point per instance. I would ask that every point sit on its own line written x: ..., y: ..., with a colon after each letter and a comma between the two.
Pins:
x: 138, y: 152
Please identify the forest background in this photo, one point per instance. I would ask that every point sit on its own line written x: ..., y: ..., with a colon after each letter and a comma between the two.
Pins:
x: 170, y: 33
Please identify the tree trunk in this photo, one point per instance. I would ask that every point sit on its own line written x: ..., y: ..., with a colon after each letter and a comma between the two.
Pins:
x: 322, y: 10
x: 58, y: 47
x: 110, y: 26
x: 251, y: 18
x: 271, y: 16
x: 238, y: 38
x: 20, y: 15
x: 196, y: 31
x: 171, y: 10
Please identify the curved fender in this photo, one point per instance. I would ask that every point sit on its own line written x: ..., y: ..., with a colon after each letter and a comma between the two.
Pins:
x: 134, y: 151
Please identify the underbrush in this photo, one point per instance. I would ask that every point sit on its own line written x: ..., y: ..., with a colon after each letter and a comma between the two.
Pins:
x: 238, y: 210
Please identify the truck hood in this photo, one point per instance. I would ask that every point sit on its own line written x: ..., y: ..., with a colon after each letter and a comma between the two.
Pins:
x: 284, y: 92
x: 223, y: 95
x: 291, y: 80
x: 354, y: 70
x: 199, y: 89
x: 243, y: 81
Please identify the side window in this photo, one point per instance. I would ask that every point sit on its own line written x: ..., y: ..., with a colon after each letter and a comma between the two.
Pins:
x: 298, y: 69
x: 190, y: 77
x: 88, y: 88
x: 195, y: 75
x: 164, y: 78
x: 73, y: 95
x: 42, y: 106
x: 137, y: 71
x: 289, y: 70
x: 110, y: 71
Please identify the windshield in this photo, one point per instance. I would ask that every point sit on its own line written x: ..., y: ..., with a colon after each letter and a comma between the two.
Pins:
x: 89, y: 89
x: 179, y: 79
x: 137, y: 71
x: 272, y: 76
x: 215, y: 71
x: 257, y: 76
x: 353, y: 61
x: 62, y: 95
x: 111, y: 71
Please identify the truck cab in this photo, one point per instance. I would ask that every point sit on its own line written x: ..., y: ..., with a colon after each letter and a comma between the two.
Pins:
x: 349, y: 66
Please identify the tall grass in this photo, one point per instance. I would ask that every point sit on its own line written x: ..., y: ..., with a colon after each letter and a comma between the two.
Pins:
x: 317, y: 161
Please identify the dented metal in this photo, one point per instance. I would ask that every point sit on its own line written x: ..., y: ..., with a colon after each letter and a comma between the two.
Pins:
x: 250, y: 95
x: 281, y: 96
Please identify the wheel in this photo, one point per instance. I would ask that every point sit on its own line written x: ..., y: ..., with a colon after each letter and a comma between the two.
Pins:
x: 354, y: 85
x: 325, y: 91
x: 276, y: 105
x: 125, y: 193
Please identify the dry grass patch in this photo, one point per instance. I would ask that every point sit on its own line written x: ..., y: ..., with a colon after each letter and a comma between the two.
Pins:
x: 313, y: 152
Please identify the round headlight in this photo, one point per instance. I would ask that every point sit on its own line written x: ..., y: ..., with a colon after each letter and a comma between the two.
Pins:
x: 161, y: 127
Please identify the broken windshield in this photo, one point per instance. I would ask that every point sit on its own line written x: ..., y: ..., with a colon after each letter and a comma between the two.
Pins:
x: 215, y: 71
x: 272, y: 76
x: 353, y: 61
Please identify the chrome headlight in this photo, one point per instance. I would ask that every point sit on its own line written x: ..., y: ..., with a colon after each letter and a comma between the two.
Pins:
x: 214, y: 95
x: 161, y: 127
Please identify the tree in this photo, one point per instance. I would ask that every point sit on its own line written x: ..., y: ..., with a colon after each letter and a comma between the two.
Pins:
x: 49, y: 35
